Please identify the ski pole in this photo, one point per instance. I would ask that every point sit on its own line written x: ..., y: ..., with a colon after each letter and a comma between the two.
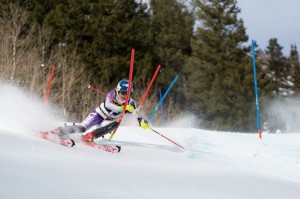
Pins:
x: 167, y: 138
x: 137, y: 112
x: 96, y: 90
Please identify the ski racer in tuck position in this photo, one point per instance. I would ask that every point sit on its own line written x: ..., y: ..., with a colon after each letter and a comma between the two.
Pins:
x: 104, y: 118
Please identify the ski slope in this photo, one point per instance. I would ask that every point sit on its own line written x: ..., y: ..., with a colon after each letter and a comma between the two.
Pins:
x: 217, y: 165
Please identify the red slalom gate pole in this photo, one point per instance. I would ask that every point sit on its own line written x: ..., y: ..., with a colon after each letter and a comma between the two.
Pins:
x: 149, y: 86
x: 49, y: 86
x: 128, y: 93
x: 167, y: 139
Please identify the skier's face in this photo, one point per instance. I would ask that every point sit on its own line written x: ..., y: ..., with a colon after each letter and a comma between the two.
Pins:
x: 121, y: 98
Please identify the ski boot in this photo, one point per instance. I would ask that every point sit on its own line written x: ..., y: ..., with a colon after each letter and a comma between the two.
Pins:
x: 88, y: 137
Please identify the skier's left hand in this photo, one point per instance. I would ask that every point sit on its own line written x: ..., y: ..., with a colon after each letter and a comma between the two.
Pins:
x: 143, y: 123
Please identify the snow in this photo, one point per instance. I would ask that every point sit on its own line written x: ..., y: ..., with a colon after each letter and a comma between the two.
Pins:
x: 216, y: 165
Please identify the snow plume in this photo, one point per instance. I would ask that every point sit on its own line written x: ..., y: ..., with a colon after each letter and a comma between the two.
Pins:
x: 185, y: 120
x: 22, y: 112
x: 285, y: 115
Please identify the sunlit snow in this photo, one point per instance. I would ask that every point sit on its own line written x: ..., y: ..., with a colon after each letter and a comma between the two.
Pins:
x: 216, y: 165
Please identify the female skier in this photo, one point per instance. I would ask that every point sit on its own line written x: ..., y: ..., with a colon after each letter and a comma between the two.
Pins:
x: 103, y: 119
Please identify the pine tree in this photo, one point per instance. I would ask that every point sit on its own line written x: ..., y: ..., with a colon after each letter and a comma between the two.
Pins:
x: 279, y: 69
x: 172, y: 30
x: 278, y: 83
x: 104, y: 34
x: 295, y: 69
x: 220, y: 79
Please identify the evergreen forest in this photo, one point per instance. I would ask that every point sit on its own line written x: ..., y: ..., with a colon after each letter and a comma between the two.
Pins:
x: 204, y: 42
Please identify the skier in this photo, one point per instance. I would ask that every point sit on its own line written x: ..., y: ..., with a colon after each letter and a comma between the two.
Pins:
x: 104, y: 117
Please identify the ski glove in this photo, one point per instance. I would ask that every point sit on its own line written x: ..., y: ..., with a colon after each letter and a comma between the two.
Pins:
x: 143, y: 123
x: 129, y: 109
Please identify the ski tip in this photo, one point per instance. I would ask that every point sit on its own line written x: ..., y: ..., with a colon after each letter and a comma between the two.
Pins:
x: 119, y: 148
x: 73, y: 143
x: 67, y: 142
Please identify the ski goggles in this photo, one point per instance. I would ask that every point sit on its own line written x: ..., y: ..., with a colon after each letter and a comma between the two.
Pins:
x: 124, y: 93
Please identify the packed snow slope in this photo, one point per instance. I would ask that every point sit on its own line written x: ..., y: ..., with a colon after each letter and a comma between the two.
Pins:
x: 216, y: 165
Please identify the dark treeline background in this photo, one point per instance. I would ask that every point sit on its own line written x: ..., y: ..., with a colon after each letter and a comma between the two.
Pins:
x: 89, y: 42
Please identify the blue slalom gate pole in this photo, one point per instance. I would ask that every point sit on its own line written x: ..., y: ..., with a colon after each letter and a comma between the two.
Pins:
x: 256, y: 92
x: 162, y: 99
x: 161, y: 108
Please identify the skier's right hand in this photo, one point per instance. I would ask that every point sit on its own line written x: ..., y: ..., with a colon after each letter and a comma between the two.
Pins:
x: 129, y: 108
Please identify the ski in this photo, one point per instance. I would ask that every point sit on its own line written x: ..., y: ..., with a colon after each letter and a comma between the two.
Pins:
x: 51, y: 136
x: 107, y: 148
